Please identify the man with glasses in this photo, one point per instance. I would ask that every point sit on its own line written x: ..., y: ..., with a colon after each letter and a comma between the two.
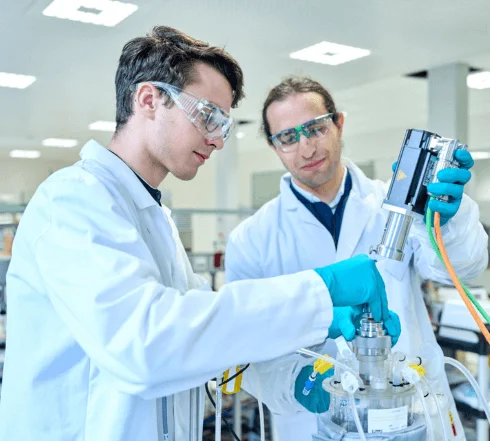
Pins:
x: 106, y: 316
x: 329, y: 211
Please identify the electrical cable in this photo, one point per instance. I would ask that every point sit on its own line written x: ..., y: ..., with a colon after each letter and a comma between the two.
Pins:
x: 436, y: 249
x: 227, y: 424
x: 448, y: 264
x: 441, y: 252
x: 208, y: 393
x: 241, y: 371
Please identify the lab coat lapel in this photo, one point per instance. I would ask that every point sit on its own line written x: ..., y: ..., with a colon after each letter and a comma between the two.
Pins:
x: 292, y: 205
x: 356, y: 215
x: 361, y: 204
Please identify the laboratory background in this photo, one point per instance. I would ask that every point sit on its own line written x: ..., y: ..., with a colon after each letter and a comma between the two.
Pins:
x: 389, y: 65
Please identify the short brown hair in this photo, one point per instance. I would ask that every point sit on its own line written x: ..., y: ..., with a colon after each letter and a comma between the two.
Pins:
x: 291, y: 86
x: 169, y: 56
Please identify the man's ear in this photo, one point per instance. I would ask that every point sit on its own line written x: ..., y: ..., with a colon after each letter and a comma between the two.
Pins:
x: 340, y: 123
x: 145, y: 99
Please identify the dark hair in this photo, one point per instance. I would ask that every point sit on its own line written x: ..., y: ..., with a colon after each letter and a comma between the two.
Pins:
x: 169, y: 56
x: 291, y: 86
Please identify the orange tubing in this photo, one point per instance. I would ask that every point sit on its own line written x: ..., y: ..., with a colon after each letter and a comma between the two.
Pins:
x: 454, y: 278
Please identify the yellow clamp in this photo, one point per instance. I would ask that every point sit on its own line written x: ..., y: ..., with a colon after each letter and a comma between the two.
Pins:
x: 234, y: 385
x: 322, y: 366
x: 418, y: 368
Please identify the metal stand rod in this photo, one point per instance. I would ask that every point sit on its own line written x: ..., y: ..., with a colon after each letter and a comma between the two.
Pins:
x: 237, y: 414
x: 166, y: 435
x: 483, y: 381
x: 194, y: 414
x: 219, y: 403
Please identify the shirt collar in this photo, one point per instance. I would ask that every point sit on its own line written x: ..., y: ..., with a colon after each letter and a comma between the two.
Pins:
x: 154, y: 192
x: 312, y: 198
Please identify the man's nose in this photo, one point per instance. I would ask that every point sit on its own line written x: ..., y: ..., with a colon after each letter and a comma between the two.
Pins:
x: 306, y: 147
x: 217, y: 143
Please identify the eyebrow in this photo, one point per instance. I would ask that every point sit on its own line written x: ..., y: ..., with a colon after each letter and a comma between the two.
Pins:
x: 216, y: 104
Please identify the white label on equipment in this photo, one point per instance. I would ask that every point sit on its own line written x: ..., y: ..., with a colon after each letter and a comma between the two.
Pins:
x: 387, y: 420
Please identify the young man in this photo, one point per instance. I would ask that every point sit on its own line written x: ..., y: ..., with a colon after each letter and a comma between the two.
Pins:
x: 105, y: 315
x: 328, y: 211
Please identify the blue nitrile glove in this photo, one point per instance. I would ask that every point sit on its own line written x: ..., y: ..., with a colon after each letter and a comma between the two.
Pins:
x: 393, y: 327
x: 452, y: 182
x: 354, y: 282
x: 346, y: 320
x: 318, y: 400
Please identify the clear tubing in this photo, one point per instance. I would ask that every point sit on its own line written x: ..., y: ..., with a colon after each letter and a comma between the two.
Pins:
x: 439, y: 410
x: 259, y: 400
x: 334, y: 362
x: 428, y: 420
x: 461, y: 367
x: 352, y: 402
x: 398, y: 359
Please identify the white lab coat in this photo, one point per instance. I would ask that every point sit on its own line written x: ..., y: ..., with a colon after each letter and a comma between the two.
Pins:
x: 104, y: 317
x: 284, y: 237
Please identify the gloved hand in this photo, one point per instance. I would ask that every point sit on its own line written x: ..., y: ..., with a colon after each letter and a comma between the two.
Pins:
x: 318, y: 400
x: 346, y: 320
x: 354, y: 282
x: 452, y: 182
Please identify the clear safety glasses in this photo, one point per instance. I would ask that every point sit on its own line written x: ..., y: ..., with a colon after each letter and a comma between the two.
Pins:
x: 288, y: 139
x: 212, y: 121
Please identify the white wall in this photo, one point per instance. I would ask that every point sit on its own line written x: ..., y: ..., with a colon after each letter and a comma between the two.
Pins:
x: 198, y: 193
x: 19, y: 178
x: 254, y: 161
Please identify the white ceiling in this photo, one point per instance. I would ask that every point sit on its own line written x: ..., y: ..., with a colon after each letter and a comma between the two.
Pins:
x: 75, y: 62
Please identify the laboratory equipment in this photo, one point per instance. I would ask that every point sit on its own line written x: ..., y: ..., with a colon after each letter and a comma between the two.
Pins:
x: 390, y: 395
x: 423, y: 154
x: 385, y: 400
x: 393, y: 396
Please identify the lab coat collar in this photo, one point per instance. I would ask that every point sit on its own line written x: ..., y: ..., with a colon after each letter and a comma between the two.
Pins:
x: 361, y: 186
x: 94, y: 151
x: 360, y: 205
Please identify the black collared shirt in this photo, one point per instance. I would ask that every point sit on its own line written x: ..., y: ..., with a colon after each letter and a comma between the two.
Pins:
x: 332, y: 222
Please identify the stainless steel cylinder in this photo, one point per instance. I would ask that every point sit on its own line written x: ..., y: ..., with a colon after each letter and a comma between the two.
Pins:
x: 394, y: 236
x: 372, y: 347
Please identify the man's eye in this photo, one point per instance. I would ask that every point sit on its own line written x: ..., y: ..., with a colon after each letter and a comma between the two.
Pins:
x: 288, y: 138
x: 318, y: 129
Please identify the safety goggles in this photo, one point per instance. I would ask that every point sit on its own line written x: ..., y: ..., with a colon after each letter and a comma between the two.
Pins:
x: 287, y: 140
x: 212, y: 121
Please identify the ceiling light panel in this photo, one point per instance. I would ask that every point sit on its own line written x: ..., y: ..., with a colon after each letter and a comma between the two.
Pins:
x: 97, y: 12
x: 480, y: 155
x: 330, y: 53
x: 16, y: 81
x: 478, y: 80
x: 25, y: 154
x: 57, y: 142
x: 103, y: 126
